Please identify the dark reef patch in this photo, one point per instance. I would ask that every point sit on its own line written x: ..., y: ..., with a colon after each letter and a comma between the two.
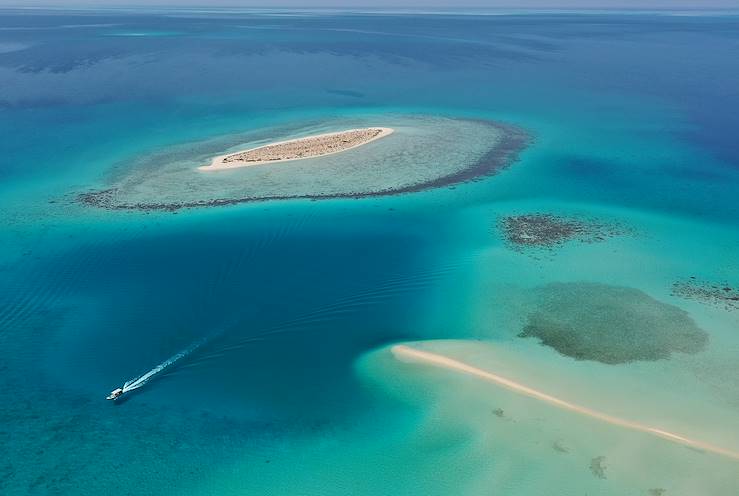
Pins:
x: 560, y: 447
x: 610, y: 324
x: 718, y: 294
x: 598, y: 467
x: 547, y: 231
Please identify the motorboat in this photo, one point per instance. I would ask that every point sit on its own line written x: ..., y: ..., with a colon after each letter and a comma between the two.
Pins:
x: 115, y: 394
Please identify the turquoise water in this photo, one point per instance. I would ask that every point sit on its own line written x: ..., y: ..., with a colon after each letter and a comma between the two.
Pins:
x: 293, y: 304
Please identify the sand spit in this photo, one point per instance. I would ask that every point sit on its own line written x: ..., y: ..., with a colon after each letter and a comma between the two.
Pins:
x: 318, y: 145
x: 408, y: 354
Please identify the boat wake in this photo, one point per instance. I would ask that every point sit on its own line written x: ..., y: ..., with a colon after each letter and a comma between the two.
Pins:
x: 375, y: 294
x: 143, y: 379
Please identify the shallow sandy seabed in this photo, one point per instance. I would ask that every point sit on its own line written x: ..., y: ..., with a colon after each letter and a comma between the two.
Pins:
x: 523, y: 405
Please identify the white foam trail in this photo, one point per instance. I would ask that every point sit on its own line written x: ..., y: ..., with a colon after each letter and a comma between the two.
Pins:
x: 143, y: 379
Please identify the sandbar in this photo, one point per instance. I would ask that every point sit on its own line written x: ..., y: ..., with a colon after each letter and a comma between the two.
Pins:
x: 407, y: 353
x: 317, y: 145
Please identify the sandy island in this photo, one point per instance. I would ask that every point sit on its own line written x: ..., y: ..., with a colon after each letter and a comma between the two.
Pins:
x: 408, y: 162
x: 318, y: 145
x: 409, y: 354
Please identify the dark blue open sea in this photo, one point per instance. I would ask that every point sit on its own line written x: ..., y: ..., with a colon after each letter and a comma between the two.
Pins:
x: 273, y: 321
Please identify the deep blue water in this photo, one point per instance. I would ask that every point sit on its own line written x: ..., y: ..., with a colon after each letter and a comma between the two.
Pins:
x: 628, y: 111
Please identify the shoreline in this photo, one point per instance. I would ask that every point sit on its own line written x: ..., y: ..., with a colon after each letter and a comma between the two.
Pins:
x: 407, y: 354
x: 221, y: 161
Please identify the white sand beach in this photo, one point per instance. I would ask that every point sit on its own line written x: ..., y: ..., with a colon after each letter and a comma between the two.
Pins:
x: 300, y: 148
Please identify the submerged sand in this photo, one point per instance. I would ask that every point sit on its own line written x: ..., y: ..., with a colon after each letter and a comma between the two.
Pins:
x: 411, y: 354
x: 300, y: 148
